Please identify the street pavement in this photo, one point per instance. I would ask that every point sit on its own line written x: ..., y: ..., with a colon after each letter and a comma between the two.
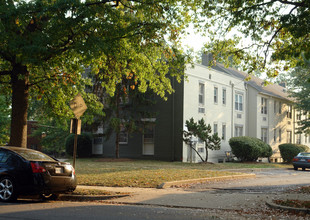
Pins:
x: 234, y: 194
x: 243, y: 198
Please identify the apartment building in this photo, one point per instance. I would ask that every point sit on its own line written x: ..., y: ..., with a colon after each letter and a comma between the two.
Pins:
x: 221, y: 96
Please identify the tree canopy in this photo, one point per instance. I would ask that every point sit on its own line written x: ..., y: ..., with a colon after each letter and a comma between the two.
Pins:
x: 300, y: 89
x: 269, y: 32
x: 47, y: 44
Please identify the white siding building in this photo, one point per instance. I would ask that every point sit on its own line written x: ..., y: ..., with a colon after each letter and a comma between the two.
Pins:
x: 236, y: 107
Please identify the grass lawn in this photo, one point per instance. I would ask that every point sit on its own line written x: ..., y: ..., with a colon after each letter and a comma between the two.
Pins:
x: 150, y: 173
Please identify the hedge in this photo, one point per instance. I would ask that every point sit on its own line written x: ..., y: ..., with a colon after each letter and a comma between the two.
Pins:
x: 289, y: 151
x: 249, y: 148
x: 84, y: 145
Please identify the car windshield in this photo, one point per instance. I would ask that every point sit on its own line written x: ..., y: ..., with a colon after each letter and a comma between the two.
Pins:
x: 304, y: 154
x: 33, y: 155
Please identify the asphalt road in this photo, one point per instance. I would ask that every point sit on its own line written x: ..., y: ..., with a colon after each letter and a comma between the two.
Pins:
x: 213, y: 200
x: 267, y: 180
x: 30, y: 210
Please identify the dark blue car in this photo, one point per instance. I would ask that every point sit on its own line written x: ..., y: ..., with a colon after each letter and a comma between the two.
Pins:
x: 302, y: 160
x: 29, y: 172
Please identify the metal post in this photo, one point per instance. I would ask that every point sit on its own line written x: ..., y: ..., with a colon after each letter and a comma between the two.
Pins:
x: 74, y: 149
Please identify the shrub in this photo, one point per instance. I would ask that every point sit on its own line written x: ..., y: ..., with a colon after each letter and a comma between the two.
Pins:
x: 289, y: 151
x: 249, y: 148
x: 84, y: 145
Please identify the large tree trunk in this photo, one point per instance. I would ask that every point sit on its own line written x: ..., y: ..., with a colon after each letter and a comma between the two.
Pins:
x: 20, y: 95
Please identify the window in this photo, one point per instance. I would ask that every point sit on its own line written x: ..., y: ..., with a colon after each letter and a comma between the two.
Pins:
x: 289, y: 136
x: 98, y: 140
x: 224, y: 132
x: 3, y: 156
x: 239, y: 102
x: 201, y: 150
x: 224, y: 97
x: 215, y: 128
x: 125, y: 99
x: 264, y: 106
x: 215, y: 95
x: 289, y: 111
x: 201, y: 98
x: 306, y: 137
x: 238, y: 130
x: 298, y: 116
x: 123, y: 136
x: 280, y: 108
x: 275, y: 135
x: 264, y: 134
x: 280, y: 135
x: 201, y: 94
x: 298, y: 139
x: 275, y: 106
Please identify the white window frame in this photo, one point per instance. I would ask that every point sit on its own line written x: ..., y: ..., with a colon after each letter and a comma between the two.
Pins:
x: 275, y: 106
x: 224, y: 132
x: 224, y: 94
x: 238, y: 130
x: 123, y: 135
x: 201, y: 97
x: 215, y: 128
x: 264, y: 134
x: 264, y: 102
x: 216, y: 94
x: 239, y: 102
x: 289, y: 111
x: 289, y: 137
x: 298, y: 138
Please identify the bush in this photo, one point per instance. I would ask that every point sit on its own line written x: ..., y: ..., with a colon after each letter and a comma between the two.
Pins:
x: 84, y: 145
x: 249, y: 148
x: 289, y: 151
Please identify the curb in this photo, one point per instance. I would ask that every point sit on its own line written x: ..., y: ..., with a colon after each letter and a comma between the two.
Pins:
x: 90, y: 198
x: 200, y: 180
x: 287, y: 208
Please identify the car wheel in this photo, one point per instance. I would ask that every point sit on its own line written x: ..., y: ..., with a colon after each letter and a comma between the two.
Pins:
x: 303, y: 169
x: 51, y: 196
x: 7, y: 189
x: 295, y: 168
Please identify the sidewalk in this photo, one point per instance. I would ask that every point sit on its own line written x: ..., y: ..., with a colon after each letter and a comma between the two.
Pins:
x: 179, y: 197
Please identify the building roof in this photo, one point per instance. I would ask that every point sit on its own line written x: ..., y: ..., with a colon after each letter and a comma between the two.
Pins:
x: 274, y: 90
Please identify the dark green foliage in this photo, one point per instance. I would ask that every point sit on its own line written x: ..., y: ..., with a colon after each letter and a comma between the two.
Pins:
x: 289, y: 151
x: 249, y: 148
x: 84, y: 145
x: 4, y: 120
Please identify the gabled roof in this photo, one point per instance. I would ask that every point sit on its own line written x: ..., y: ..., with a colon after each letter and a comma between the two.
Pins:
x: 274, y: 90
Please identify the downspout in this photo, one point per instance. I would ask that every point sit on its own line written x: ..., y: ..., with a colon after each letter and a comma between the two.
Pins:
x: 172, y: 116
x: 232, y: 108
x: 246, y: 110
x: 293, y: 133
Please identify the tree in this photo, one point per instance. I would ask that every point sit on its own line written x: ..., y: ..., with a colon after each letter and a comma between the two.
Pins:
x: 125, y: 110
x: 4, y: 120
x: 45, y: 45
x: 203, y: 132
x: 300, y: 90
x: 278, y: 31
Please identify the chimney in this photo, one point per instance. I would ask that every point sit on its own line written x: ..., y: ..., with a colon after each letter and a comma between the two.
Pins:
x: 283, y: 84
x: 207, y: 59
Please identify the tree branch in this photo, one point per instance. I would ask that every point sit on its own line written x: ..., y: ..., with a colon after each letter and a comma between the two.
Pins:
x: 5, y: 73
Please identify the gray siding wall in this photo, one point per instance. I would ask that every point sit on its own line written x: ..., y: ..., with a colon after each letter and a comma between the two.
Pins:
x: 169, y: 125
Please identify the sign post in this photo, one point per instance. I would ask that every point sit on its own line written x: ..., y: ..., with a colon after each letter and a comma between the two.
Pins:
x: 78, y: 107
